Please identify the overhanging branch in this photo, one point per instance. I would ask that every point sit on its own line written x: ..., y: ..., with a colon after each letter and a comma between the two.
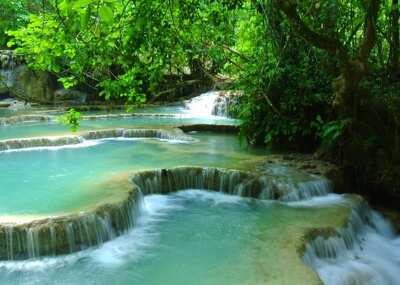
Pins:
x: 289, y: 8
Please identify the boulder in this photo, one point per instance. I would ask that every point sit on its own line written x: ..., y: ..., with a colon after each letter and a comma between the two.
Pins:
x: 18, y: 81
x: 31, y: 86
x: 72, y: 97
x: 27, y: 85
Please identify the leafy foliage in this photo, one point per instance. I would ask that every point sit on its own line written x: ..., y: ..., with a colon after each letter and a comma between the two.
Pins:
x: 123, y: 48
x: 284, y: 92
x: 330, y: 133
x: 71, y: 119
x: 14, y: 14
x: 294, y: 61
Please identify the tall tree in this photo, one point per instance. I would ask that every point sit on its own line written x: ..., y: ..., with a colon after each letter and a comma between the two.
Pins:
x: 352, y: 67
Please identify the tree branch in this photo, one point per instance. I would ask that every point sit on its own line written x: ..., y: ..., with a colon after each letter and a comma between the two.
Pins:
x: 289, y: 8
x: 241, y: 55
x: 370, y: 31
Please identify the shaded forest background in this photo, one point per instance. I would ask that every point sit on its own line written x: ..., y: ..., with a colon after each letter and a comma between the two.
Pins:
x: 315, y: 76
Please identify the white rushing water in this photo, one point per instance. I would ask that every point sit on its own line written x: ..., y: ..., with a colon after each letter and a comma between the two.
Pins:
x: 367, y: 252
x: 114, y: 252
x: 130, y: 248
x: 209, y: 104
x: 90, y: 143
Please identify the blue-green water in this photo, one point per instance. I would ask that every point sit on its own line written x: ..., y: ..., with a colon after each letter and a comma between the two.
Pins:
x: 5, y: 112
x: 153, y: 109
x: 56, y: 180
x: 52, y: 128
x: 190, y: 237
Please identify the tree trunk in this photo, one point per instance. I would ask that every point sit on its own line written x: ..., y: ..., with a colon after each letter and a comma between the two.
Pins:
x: 346, y: 86
x: 394, y: 66
x: 353, y: 69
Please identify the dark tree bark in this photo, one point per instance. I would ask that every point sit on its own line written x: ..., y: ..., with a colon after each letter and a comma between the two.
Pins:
x: 352, y: 69
x: 394, y: 66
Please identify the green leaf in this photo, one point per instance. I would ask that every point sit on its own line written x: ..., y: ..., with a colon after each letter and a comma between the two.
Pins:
x: 81, y: 3
x: 107, y: 15
x: 85, y: 19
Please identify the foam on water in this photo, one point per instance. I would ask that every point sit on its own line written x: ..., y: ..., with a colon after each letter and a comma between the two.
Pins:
x: 133, y: 245
x: 367, y: 253
x: 91, y: 143
x: 375, y: 260
x: 83, y: 144
x: 202, y: 105
x: 319, y: 201
x: 208, y: 105
x: 216, y: 198
x: 130, y: 246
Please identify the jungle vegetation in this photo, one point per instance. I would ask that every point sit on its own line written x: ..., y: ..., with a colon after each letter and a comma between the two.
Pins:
x: 317, y: 76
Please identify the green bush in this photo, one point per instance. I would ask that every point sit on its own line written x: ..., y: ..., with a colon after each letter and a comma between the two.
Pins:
x: 71, y: 119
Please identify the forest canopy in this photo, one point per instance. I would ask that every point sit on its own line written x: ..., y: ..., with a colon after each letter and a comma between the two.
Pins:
x: 314, y: 75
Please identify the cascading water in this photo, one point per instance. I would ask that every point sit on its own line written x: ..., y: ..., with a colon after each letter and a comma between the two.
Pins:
x: 8, y: 61
x: 87, y: 138
x: 287, y: 190
x: 234, y: 182
x: 6, y: 79
x: 213, y: 103
x: 64, y: 235
x: 171, y: 244
x: 171, y: 180
x: 366, y: 252
x: 71, y: 233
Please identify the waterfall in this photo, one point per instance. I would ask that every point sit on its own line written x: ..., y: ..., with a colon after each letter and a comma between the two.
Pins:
x: 71, y: 233
x: 68, y: 234
x: 50, y: 118
x: 9, y: 60
x: 6, y: 79
x: 307, y: 190
x: 171, y: 134
x: 213, y: 103
x: 365, y: 252
x: 286, y: 190
x: 25, y: 119
x: 233, y: 182
x: 221, y: 105
x: 15, y: 144
x: 170, y: 180
x: 87, y: 137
